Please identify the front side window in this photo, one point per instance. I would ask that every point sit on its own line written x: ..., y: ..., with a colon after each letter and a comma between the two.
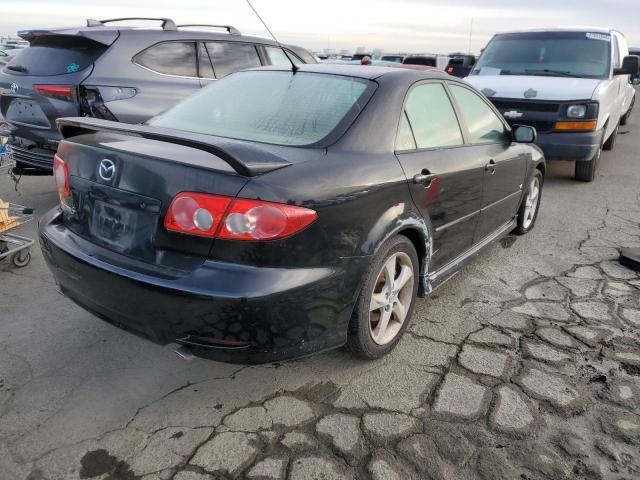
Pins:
x: 277, y: 107
x: 432, y: 117
x: 230, y: 57
x: 483, y: 124
x: 560, y: 54
x: 170, y: 58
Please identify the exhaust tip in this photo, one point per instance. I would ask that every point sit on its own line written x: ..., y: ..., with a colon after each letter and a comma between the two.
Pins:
x: 184, y: 353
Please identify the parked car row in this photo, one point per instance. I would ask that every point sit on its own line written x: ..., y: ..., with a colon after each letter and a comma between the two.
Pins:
x: 291, y: 209
x: 117, y: 73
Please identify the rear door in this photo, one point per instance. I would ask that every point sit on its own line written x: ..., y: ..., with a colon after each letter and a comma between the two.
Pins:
x: 40, y: 84
x: 444, y: 174
x: 172, y: 74
x: 504, y: 161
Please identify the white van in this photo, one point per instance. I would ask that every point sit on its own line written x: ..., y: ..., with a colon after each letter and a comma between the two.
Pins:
x: 571, y: 84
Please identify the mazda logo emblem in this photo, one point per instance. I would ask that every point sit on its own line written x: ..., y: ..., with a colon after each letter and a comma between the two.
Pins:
x: 14, y: 88
x: 107, y: 169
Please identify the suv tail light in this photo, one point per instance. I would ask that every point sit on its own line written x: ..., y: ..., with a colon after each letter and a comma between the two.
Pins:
x: 64, y: 92
x: 240, y: 219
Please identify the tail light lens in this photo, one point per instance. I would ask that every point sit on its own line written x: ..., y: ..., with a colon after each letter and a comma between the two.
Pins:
x: 239, y: 219
x: 65, y: 92
x: 256, y: 220
x: 196, y: 213
x: 61, y: 176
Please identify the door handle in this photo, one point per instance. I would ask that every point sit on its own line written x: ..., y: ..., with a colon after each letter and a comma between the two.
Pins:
x: 425, y: 177
x: 491, y: 166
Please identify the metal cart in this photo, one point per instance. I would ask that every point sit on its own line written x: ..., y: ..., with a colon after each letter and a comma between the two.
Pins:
x: 12, y: 246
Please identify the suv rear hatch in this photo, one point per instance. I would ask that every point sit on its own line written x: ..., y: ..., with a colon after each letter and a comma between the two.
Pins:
x: 41, y: 83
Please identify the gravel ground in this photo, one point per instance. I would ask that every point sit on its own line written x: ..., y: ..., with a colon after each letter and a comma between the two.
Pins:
x: 526, y: 365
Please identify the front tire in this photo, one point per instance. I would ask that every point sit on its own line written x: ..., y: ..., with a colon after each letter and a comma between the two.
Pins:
x: 528, y: 211
x: 611, y: 141
x: 385, y: 304
x: 587, y: 171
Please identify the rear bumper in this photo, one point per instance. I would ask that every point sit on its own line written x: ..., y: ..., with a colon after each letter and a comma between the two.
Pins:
x: 41, y: 159
x: 225, y: 312
x: 577, y: 146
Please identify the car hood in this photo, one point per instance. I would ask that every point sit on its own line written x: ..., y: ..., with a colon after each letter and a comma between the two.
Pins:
x: 545, y: 87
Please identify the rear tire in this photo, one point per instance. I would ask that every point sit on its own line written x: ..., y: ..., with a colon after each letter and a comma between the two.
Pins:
x: 528, y: 211
x: 587, y: 171
x: 372, y: 334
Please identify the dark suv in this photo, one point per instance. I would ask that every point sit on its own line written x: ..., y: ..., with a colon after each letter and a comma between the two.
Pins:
x: 126, y: 74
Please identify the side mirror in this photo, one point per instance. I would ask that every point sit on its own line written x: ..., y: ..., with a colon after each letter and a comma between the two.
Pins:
x: 630, y: 66
x: 524, y: 134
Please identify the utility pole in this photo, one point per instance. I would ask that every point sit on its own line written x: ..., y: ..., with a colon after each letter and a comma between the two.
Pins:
x: 470, y: 34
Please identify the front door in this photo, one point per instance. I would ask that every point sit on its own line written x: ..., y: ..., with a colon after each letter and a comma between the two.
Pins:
x: 444, y: 175
x: 504, y: 161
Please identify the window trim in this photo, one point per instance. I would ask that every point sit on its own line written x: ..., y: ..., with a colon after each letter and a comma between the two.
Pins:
x: 195, y: 44
x: 488, y: 103
x: 463, y: 131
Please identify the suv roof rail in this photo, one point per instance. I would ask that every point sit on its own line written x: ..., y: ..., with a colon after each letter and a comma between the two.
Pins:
x: 229, y: 28
x: 167, y: 23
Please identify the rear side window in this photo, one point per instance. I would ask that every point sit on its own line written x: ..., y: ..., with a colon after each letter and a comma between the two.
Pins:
x: 230, y: 57
x: 483, y: 124
x: 170, y: 58
x: 432, y: 117
x: 56, y: 55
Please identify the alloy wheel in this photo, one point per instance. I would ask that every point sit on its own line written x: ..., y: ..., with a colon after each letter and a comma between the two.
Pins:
x: 531, y: 203
x: 391, y: 298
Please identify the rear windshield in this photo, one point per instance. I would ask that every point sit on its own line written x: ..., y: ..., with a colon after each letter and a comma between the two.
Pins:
x: 277, y: 107
x: 426, y: 61
x: 574, y: 54
x: 55, y: 55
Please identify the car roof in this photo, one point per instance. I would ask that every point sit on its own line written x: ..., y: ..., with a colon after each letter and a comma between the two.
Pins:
x: 367, y: 72
x: 561, y: 29
x: 156, y: 33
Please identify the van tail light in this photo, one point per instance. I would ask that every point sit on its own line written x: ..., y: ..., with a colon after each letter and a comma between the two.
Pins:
x: 240, y: 219
x: 65, y: 92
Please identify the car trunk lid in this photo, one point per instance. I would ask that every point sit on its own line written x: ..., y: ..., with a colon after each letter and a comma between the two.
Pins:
x: 121, y: 207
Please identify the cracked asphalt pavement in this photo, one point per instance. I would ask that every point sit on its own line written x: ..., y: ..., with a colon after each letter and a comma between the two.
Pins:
x: 525, y: 365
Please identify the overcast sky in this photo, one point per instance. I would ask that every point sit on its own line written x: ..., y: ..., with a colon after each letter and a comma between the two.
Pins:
x: 392, y: 25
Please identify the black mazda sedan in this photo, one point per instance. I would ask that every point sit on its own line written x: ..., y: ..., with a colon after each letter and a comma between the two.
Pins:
x: 279, y: 213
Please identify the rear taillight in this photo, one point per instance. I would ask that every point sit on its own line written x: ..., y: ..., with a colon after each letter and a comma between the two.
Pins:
x: 65, y: 92
x: 61, y: 176
x: 257, y: 220
x: 196, y: 213
x: 239, y: 219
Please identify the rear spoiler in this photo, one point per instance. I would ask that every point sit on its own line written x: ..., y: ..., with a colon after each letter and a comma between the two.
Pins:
x: 244, y: 157
x: 102, y: 36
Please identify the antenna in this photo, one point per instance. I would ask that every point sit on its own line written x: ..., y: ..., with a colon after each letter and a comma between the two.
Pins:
x: 294, y: 68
